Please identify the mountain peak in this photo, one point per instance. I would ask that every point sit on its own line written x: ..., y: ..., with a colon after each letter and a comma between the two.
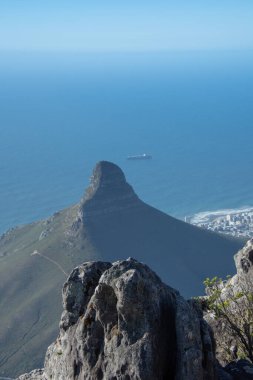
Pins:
x: 108, y: 191
x: 105, y: 175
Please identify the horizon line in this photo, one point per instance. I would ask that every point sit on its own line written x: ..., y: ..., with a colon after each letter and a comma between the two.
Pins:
x: 124, y: 51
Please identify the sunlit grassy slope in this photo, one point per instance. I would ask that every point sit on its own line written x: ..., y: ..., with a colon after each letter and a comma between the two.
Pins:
x: 30, y: 288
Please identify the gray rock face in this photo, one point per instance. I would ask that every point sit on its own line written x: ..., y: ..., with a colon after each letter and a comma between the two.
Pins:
x: 98, y: 199
x: 120, y: 322
x: 228, y: 344
x: 244, y: 261
x: 240, y: 370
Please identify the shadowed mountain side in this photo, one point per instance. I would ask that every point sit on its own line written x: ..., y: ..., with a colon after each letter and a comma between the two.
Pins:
x: 182, y: 254
x: 119, y: 225
x: 109, y: 223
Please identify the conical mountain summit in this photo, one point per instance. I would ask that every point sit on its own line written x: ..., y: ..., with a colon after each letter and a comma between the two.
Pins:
x: 108, y: 192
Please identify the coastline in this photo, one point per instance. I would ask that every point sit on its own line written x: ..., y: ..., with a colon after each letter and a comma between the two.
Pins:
x: 220, y: 212
x: 235, y: 222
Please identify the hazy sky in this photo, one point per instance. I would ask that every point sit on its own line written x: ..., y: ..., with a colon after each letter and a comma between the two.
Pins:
x: 132, y: 25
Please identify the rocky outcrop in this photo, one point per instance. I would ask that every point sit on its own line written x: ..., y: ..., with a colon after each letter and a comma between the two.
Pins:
x: 244, y: 262
x: 240, y: 370
x: 236, y: 294
x: 108, y: 192
x: 120, y: 322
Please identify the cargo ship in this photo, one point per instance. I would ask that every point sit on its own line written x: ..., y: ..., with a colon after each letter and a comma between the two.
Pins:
x: 143, y: 156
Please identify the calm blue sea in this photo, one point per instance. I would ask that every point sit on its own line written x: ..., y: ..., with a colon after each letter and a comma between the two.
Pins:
x: 60, y: 114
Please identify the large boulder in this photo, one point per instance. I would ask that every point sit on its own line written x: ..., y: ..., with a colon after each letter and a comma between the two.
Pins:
x: 120, y: 322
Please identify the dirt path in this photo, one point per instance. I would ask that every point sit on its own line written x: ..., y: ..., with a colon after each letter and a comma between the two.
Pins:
x: 36, y: 253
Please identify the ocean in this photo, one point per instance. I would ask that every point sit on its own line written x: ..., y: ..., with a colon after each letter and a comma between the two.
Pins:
x: 61, y: 113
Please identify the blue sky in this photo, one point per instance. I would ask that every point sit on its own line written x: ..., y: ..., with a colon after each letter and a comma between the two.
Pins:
x: 125, y: 26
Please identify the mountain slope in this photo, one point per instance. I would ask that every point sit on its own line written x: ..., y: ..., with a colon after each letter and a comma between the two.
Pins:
x: 109, y: 223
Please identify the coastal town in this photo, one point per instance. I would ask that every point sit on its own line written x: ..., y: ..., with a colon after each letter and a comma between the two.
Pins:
x: 237, y: 222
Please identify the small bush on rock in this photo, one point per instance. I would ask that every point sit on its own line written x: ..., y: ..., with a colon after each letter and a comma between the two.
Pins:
x: 232, y: 306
